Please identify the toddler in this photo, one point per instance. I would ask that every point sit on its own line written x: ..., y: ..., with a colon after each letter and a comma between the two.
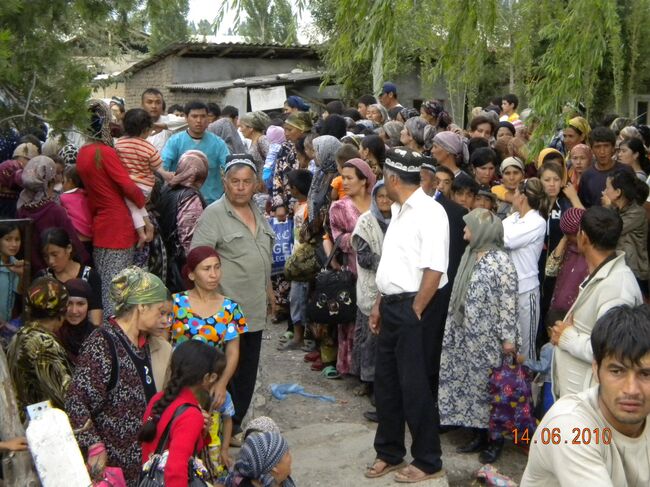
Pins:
x: 141, y: 159
x: 75, y: 201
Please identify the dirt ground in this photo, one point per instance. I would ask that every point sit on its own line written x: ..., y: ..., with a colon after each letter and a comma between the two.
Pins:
x: 331, y: 443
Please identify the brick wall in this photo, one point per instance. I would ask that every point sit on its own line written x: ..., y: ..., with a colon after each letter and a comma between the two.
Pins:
x: 158, y: 75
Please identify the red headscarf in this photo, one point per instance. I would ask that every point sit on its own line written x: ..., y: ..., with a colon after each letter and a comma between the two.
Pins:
x: 194, y: 258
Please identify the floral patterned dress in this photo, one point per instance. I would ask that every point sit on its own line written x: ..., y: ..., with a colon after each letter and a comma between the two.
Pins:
x: 473, y: 339
x: 284, y: 164
x: 225, y: 325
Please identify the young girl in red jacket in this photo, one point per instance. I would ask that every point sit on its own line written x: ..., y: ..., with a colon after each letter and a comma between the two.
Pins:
x: 195, y: 368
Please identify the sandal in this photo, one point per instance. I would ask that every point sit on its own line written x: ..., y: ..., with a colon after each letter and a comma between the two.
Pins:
x: 283, y: 347
x: 312, y: 356
x: 372, y: 472
x: 330, y: 372
x: 411, y: 475
x: 317, y: 365
x: 286, y: 336
x: 362, y: 389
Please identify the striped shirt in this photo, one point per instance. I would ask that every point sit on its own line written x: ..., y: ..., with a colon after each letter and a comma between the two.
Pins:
x: 140, y: 158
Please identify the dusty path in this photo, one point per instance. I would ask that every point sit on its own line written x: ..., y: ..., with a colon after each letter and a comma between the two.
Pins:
x: 332, y: 443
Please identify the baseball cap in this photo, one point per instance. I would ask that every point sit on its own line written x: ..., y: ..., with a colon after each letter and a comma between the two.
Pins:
x: 389, y: 88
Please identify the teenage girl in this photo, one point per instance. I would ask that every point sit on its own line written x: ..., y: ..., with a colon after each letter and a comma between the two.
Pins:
x: 195, y: 369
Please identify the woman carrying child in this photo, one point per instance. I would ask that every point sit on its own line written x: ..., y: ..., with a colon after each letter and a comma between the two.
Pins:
x: 141, y: 159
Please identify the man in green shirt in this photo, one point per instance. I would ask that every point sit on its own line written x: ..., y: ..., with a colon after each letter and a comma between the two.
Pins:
x: 243, y: 238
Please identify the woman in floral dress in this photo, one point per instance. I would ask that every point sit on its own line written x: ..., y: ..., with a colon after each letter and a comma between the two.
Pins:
x: 481, y: 327
x: 202, y: 313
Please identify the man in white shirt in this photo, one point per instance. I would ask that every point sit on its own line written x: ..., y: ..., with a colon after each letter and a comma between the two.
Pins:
x: 600, y: 437
x: 164, y: 125
x: 413, y: 267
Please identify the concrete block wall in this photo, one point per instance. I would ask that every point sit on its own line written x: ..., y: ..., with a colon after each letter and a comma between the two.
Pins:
x: 158, y: 75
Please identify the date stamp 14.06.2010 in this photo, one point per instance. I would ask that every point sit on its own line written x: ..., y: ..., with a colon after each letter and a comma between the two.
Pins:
x: 555, y: 436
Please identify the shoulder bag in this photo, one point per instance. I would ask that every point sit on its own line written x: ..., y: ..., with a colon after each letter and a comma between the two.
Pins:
x: 333, y: 301
x: 153, y: 472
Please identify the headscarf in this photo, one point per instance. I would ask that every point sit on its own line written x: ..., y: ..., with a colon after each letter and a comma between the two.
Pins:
x: 73, y: 336
x: 374, y: 209
x: 257, y: 457
x: 194, y: 258
x: 275, y: 135
x: 258, y: 120
x: 422, y: 132
x: 226, y: 130
x: 296, y: 102
x: 39, y: 172
x: 261, y: 424
x: 434, y: 108
x: 453, y: 144
x: 570, y: 221
x: 192, y: 170
x: 409, y: 113
x: 384, y: 113
x: 366, y: 170
x: 26, y: 150
x: 79, y: 288
x: 300, y: 120
x: 584, y: 149
x: 509, y: 126
x: 393, y: 130
x: 100, y: 119
x: 69, y: 154
x: 487, y: 234
x: 325, y: 147
x: 135, y: 286
x: 581, y: 125
x: 545, y: 152
x: 47, y: 295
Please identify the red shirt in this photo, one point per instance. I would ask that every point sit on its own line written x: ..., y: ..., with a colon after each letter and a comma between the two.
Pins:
x: 107, y: 183
x: 185, y: 436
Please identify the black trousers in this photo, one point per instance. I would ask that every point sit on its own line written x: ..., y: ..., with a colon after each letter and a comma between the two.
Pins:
x: 242, y: 384
x: 402, y: 388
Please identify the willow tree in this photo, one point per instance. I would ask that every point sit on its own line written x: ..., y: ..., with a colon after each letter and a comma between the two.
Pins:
x: 550, y: 51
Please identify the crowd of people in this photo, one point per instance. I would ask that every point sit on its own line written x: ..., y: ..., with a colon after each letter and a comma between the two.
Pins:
x: 413, y: 254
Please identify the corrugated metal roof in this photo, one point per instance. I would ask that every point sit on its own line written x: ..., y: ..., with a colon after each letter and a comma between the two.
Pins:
x: 226, y: 49
x: 253, y: 81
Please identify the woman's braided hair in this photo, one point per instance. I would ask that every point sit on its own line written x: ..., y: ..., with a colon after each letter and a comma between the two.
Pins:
x: 191, y: 361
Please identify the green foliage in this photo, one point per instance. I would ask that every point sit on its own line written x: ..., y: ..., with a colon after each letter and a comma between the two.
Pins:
x: 203, y: 28
x: 551, y: 52
x: 268, y: 22
x: 168, y: 22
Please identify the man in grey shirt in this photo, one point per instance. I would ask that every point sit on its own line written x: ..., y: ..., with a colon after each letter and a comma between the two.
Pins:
x: 243, y: 238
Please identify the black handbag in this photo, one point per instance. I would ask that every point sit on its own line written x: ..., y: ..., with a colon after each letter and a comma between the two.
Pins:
x: 154, y: 476
x: 334, y: 300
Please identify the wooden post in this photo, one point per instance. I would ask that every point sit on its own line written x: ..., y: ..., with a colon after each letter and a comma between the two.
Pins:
x: 18, y: 468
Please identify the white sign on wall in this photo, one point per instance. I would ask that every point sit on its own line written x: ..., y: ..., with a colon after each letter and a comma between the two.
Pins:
x: 268, y: 98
